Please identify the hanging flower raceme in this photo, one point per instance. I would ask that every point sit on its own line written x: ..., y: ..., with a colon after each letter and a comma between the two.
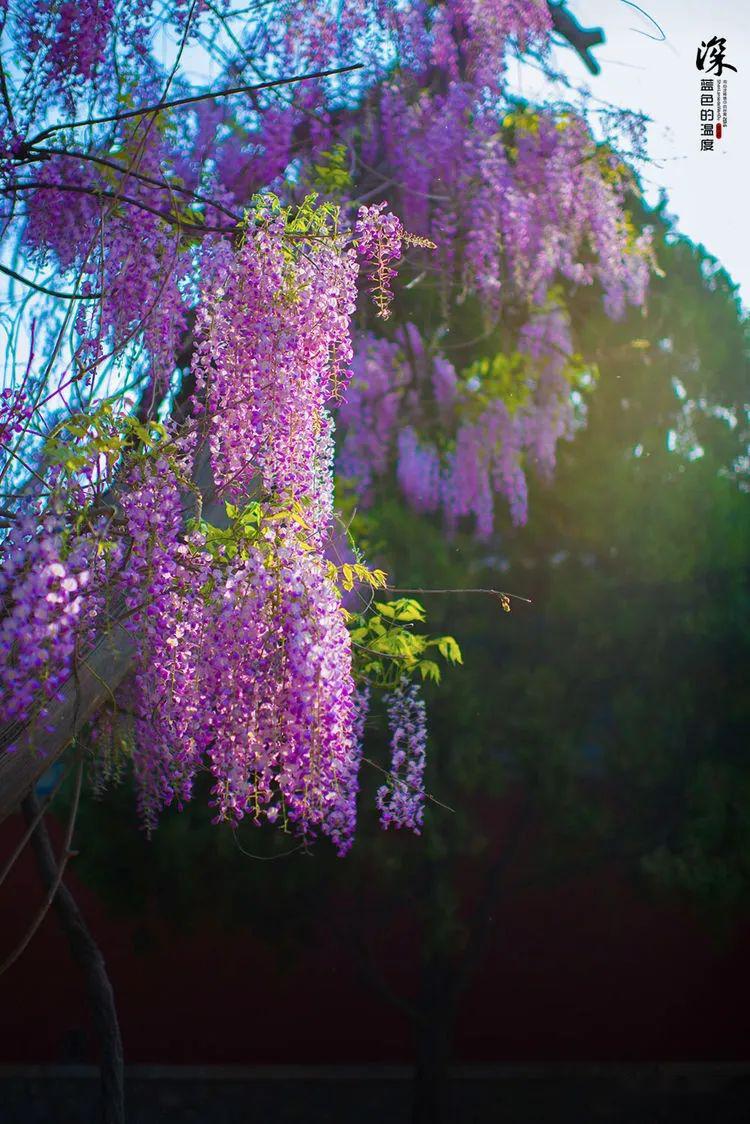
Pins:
x: 401, y: 800
x: 161, y: 580
x: 460, y: 440
x: 15, y: 414
x: 244, y: 654
x: 43, y: 584
x: 246, y: 662
x: 380, y: 236
x: 514, y: 200
x: 122, y: 244
x: 273, y: 347
x: 278, y: 699
x: 547, y: 416
x: 320, y: 759
x: 380, y: 241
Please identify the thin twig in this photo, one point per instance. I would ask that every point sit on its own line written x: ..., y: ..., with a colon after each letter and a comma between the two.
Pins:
x: 493, y: 592
x: 106, y: 193
x: 30, y: 830
x: 43, y: 288
x: 427, y: 795
x: 129, y: 172
x: 65, y: 856
x: 209, y: 96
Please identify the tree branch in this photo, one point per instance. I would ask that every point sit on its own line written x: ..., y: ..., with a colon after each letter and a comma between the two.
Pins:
x: 580, y: 38
x: 48, y: 292
x: 97, y: 192
x: 53, y: 871
x: 128, y: 172
x: 210, y: 96
x: 88, y: 956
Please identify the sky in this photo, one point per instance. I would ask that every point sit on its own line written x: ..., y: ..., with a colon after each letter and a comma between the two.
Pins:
x: 708, y: 192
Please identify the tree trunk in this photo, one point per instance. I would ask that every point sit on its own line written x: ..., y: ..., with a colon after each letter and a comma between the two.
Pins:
x: 432, y: 1095
x: 87, y: 955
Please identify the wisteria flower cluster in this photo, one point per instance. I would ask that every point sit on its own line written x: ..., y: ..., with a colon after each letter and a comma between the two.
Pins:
x: 245, y: 663
x: 405, y: 401
x: 401, y: 800
x: 245, y: 657
x: 158, y: 273
x: 273, y: 346
x: 380, y: 240
x: 138, y: 269
x: 42, y: 589
x: 15, y: 414
x: 380, y: 236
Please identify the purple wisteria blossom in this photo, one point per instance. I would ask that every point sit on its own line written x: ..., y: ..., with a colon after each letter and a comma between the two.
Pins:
x: 401, y: 801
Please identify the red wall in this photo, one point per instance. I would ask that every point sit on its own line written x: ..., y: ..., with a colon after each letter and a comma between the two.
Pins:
x: 587, y: 972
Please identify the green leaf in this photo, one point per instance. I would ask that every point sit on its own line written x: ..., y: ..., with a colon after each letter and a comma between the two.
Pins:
x: 449, y: 649
x: 403, y: 609
x: 428, y: 669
